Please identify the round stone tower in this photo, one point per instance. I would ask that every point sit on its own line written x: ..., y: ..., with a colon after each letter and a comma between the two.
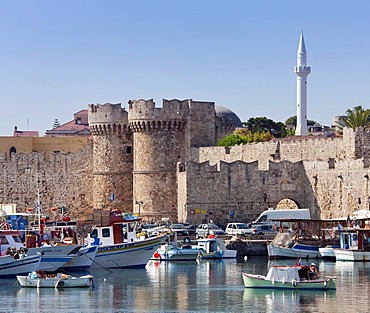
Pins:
x: 159, y: 140
x: 112, y: 156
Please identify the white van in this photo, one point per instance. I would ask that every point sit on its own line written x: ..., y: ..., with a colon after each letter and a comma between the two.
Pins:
x: 271, y: 214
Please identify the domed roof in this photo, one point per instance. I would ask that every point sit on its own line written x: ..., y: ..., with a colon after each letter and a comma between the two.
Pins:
x: 228, y: 114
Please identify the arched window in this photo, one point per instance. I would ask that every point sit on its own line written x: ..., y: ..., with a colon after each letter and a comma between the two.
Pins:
x: 12, y: 150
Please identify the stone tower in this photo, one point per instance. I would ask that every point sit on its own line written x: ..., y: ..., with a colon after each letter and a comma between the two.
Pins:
x: 158, y: 139
x: 112, y: 156
x: 302, y: 71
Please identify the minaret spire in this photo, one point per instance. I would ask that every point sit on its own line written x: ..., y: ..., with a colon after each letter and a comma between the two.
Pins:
x: 302, y: 71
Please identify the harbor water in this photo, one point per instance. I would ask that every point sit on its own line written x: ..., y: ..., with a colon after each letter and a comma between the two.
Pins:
x: 207, y: 286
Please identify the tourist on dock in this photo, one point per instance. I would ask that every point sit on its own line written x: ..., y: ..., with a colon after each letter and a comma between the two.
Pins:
x: 313, y: 273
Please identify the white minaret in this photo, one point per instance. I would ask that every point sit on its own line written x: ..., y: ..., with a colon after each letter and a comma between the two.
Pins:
x: 302, y: 71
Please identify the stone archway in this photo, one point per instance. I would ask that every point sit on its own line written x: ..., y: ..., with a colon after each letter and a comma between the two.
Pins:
x: 287, y: 204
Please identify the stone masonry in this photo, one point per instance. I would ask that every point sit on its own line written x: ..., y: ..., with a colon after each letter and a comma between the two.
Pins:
x: 163, y: 162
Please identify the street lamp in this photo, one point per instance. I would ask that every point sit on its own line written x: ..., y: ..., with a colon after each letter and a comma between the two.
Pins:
x: 139, y: 203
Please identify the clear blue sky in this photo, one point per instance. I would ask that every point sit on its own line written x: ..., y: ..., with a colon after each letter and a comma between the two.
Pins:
x: 56, y: 57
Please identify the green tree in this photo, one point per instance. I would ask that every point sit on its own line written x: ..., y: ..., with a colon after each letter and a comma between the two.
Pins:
x: 357, y: 117
x: 232, y: 140
x: 293, y: 121
x: 264, y: 124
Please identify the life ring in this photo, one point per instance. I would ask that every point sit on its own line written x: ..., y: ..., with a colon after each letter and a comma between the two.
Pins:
x: 60, y: 283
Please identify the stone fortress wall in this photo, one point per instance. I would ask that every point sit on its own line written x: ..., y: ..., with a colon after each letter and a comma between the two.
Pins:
x: 328, y: 175
x: 163, y: 162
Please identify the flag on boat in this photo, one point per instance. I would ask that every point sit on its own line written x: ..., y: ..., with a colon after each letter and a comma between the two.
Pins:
x: 111, y: 198
x: 38, y: 208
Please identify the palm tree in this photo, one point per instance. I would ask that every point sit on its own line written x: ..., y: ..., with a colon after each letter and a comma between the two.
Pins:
x: 357, y: 117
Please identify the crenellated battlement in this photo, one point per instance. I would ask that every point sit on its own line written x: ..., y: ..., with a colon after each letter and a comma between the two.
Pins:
x: 108, y: 119
x: 146, y: 110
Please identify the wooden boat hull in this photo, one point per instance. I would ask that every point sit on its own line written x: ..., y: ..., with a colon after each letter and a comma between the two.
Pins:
x: 260, y: 281
x: 56, y: 282
x: 12, y: 267
x: 298, y: 250
x: 352, y: 255
x: 127, y: 255
x: 171, y: 253
x: 83, y: 259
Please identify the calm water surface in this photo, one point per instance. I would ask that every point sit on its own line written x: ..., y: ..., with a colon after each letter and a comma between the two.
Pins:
x: 210, y: 286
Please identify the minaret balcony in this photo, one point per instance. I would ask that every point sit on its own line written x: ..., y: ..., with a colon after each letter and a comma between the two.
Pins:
x: 302, y: 70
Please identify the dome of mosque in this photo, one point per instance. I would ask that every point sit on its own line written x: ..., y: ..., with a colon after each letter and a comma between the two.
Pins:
x: 227, y: 114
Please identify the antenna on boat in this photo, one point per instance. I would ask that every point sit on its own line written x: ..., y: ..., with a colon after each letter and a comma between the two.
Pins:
x: 38, y: 208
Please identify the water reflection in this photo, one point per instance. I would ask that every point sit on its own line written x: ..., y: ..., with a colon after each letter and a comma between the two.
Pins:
x: 208, y: 286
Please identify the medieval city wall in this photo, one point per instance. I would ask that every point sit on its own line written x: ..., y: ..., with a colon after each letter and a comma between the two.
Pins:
x: 61, y: 179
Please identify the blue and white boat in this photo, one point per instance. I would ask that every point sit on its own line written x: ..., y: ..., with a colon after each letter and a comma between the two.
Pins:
x: 284, y: 247
x: 9, y: 266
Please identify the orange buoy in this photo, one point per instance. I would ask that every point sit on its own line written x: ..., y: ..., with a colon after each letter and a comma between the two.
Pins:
x: 29, y: 210
x: 53, y: 209
x: 157, y: 255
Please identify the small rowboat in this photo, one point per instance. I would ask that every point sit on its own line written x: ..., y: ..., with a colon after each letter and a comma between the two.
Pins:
x: 287, y: 277
x: 35, y: 280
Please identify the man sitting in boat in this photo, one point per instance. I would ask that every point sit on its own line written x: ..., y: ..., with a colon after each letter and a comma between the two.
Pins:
x: 313, y: 273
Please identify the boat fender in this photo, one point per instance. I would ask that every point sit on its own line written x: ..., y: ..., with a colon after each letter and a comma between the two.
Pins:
x: 325, y: 283
x: 283, y: 280
x: 294, y: 283
x: 60, y: 283
x: 273, y: 281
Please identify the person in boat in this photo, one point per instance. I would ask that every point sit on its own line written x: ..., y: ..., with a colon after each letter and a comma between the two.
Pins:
x: 313, y: 273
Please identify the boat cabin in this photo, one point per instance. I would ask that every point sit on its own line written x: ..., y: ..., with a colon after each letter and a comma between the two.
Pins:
x: 355, y: 239
x: 208, y: 245
x: 118, y: 232
x: 10, y: 239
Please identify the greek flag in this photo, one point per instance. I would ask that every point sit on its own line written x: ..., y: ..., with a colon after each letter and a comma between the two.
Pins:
x: 111, y: 198
x: 38, y: 208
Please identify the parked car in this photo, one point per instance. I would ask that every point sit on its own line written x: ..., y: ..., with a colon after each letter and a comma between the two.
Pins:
x: 263, y: 229
x: 180, y: 229
x: 203, y: 230
x: 238, y: 229
x: 191, y: 229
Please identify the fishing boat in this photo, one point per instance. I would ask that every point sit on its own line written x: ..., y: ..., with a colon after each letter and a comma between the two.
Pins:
x: 354, y: 244
x: 118, y: 243
x: 287, y: 277
x: 82, y: 261
x: 9, y: 266
x: 42, y: 280
x: 283, y: 246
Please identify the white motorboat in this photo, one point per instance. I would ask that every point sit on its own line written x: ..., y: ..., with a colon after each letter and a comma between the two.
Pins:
x: 214, y: 248
x: 287, y: 277
x: 171, y: 252
x: 9, y: 266
x: 37, y: 280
